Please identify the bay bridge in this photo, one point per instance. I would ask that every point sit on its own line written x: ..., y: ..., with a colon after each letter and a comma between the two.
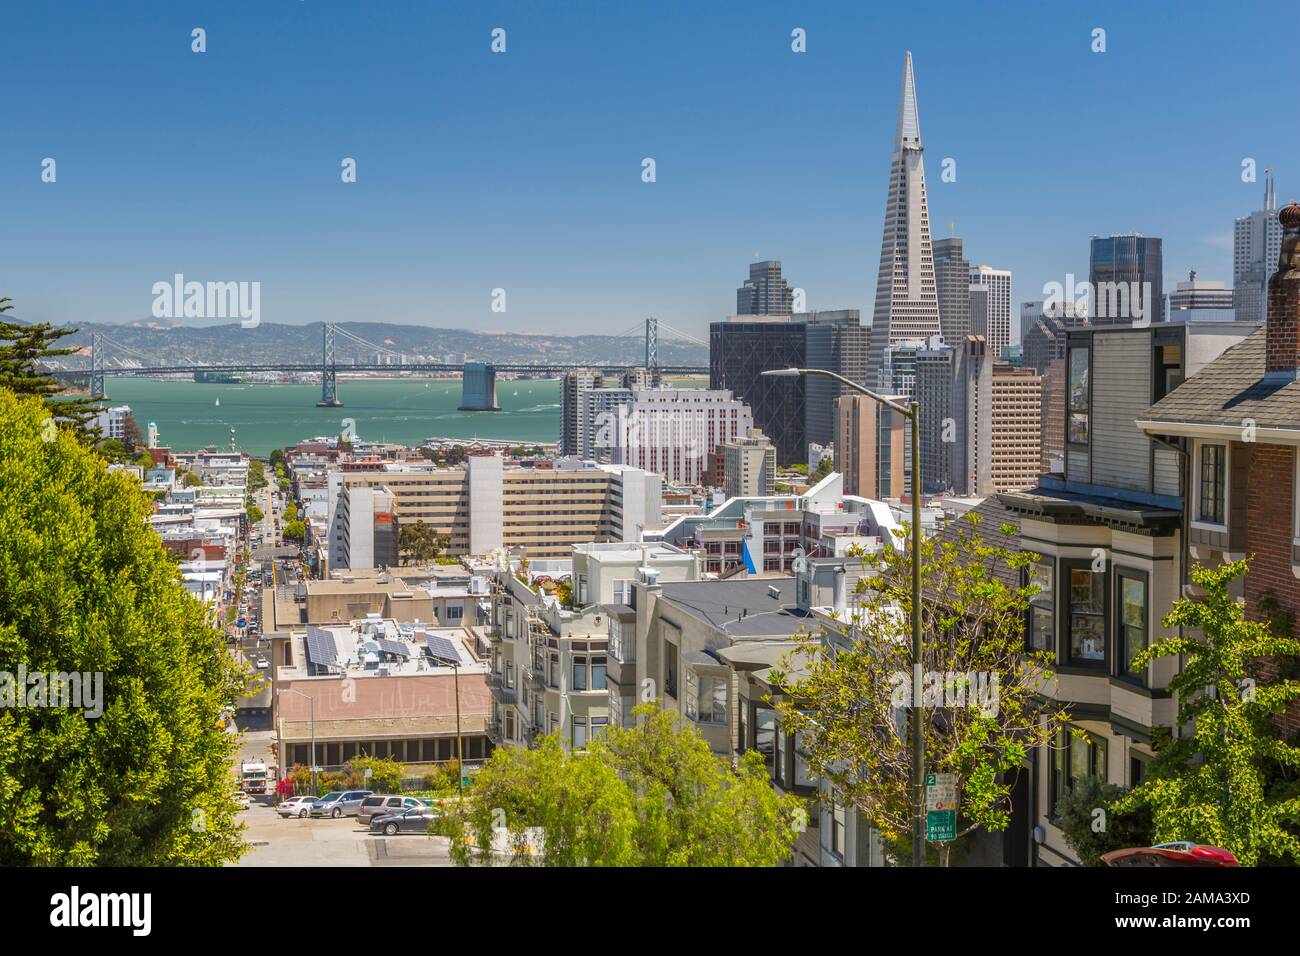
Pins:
x: 478, y: 379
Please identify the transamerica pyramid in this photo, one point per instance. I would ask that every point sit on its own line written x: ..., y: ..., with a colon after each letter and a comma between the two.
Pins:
x: 907, y: 306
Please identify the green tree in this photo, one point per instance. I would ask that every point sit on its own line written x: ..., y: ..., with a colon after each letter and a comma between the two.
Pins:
x: 290, y: 513
x: 277, y: 460
x: 294, y: 531
x: 255, y: 515
x: 824, y: 468
x: 1213, y: 785
x: 386, y: 776
x: 651, y: 795
x: 191, y: 480
x: 256, y: 475
x: 1091, y: 824
x: 23, y: 350
x: 981, y: 709
x: 421, y: 542
x: 112, y: 449
x: 86, y: 587
x: 144, y: 460
x: 564, y: 593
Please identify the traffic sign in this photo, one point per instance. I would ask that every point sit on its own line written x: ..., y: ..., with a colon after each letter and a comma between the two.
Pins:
x: 940, y: 807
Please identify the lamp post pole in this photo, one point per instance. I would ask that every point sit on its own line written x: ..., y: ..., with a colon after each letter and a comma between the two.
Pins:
x: 910, y: 411
x: 311, y: 704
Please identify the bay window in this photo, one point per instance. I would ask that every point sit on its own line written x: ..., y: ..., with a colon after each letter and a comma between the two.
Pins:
x: 1131, y: 622
x: 1042, y: 606
x: 1087, y: 613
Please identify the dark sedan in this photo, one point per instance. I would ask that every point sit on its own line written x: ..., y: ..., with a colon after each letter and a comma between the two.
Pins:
x: 414, y: 820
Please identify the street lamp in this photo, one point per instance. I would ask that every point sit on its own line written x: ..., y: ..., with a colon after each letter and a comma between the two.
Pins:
x: 911, y: 412
x: 311, y: 701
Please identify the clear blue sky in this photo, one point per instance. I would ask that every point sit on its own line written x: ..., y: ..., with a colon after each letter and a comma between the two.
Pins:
x: 522, y: 170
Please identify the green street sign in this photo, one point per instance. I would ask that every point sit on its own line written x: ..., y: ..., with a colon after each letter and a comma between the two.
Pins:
x: 940, y: 807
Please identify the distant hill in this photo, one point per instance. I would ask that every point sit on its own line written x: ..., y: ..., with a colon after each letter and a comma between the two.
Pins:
x: 270, y: 342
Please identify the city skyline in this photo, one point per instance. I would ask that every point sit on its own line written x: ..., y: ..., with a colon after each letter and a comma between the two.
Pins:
x: 479, y: 171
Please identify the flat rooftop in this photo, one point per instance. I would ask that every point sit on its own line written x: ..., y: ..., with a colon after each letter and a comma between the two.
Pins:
x: 380, y: 647
x: 741, y: 607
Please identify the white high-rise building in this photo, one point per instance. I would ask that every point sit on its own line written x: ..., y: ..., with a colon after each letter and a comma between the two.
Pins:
x: 112, y: 421
x: 907, y: 303
x: 667, y: 431
x: 997, y: 307
x: 1256, y: 246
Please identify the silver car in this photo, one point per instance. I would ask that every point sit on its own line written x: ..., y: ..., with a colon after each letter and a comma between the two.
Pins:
x: 415, y: 820
x: 382, y: 804
x: 340, y: 803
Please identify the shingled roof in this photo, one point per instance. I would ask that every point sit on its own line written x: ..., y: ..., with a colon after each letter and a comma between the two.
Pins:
x: 1230, y: 390
x: 993, y: 515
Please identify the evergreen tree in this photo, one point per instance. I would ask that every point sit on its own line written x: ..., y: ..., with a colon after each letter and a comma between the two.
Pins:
x: 86, y: 587
x: 22, y: 349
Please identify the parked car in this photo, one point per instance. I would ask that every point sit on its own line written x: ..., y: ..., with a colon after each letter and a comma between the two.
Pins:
x: 340, y: 803
x: 414, y: 820
x: 243, y: 799
x: 1181, y: 853
x: 386, y: 804
x: 262, y: 663
x: 295, y: 807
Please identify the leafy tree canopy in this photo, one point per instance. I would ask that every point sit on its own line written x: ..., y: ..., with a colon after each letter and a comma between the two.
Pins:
x: 87, y: 587
x: 1213, y: 785
x: 651, y: 795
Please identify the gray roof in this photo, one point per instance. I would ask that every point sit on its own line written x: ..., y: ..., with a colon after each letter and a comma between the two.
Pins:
x: 741, y: 607
x: 1231, y: 389
x: 993, y: 515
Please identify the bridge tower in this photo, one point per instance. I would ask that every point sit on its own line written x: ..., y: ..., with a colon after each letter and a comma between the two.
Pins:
x: 478, y: 388
x: 329, y: 389
x: 96, y: 367
x: 651, y: 342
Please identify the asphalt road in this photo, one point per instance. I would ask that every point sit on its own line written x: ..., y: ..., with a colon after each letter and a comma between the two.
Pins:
x: 326, y: 842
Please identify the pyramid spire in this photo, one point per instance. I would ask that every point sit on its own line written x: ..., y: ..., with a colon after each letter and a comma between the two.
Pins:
x: 907, y: 305
x: 909, y: 119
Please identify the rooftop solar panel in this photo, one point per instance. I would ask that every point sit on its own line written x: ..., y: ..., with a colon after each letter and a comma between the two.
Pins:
x: 321, y: 649
x: 393, y: 647
x: 441, y: 648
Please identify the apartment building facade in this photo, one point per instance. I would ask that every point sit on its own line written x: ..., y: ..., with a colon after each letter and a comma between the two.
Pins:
x: 1109, y: 535
x: 1237, y: 426
x: 537, y: 512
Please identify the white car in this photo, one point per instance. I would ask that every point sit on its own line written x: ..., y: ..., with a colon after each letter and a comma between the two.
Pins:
x: 295, y: 807
x: 243, y: 799
x: 261, y: 663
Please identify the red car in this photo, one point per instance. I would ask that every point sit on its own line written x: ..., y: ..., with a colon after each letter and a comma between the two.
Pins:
x: 1182, y: 853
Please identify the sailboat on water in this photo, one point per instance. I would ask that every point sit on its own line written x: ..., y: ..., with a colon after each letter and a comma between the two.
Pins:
x: 217, y: 403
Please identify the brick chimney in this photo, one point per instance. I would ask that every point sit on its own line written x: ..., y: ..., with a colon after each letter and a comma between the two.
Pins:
x: 1282, y: 361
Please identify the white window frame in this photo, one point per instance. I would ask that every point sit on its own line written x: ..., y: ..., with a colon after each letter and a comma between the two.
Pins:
x: 1295, y: 498
x: 1196, y: 521
x: 694, y: 682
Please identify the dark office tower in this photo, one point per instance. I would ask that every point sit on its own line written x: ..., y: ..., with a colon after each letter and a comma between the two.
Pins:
x: 935, y: 381
x: 1118, y: 269
x: 743, y: 347
x: 765, y: 292
x: 907, y: 306
x: 575, y: 383
x: 836, y: 341
x: 952, y: 279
